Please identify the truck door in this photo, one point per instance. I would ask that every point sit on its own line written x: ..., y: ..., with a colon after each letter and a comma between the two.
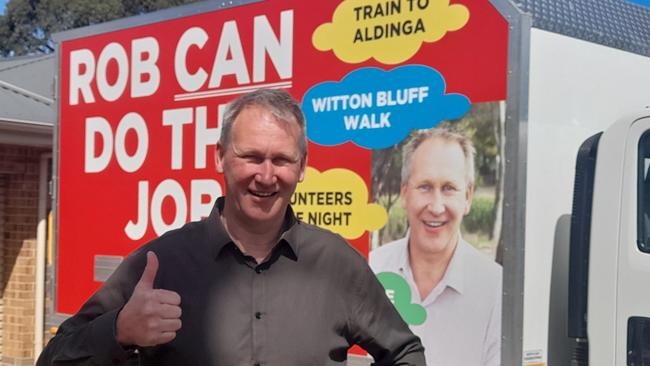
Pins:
x: 633, y: 276
x: 617, y: 292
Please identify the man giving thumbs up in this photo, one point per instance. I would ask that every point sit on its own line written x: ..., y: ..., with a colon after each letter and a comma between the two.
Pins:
x: 151, y: 316
x: 256, y: 286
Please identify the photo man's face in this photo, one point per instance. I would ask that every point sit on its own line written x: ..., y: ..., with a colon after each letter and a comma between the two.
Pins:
x: 436, y: 196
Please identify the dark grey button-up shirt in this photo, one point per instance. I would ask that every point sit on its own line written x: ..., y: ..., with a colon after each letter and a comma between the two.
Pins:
x: 306, y: 305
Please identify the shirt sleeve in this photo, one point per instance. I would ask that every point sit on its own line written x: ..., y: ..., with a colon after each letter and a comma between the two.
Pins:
x: 88, y: 337
x: 376, y: 325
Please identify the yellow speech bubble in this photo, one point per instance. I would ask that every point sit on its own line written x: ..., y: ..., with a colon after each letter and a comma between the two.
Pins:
x: 337, y: 200
x: 390, y: 31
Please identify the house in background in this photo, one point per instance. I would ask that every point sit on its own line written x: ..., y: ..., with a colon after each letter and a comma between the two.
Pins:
x: 27, y: 116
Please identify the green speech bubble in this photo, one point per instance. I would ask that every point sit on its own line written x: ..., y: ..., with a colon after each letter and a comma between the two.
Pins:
x: 399, y: 292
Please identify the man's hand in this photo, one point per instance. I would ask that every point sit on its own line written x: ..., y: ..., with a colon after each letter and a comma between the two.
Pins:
x: 151, y: 316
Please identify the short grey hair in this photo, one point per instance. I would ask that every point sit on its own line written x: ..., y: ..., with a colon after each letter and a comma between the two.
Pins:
x: 446, y: 135
x: 279, y: 102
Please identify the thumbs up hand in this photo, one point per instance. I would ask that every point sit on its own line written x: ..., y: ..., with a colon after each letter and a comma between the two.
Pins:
x: 151, y: 316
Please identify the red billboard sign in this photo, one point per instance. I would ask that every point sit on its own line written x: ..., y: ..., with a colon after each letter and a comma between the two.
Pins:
x: 140, y: 108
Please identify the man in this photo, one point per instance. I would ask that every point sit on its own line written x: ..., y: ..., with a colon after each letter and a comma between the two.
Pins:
x: 250, y: 285
x: 459, y: 288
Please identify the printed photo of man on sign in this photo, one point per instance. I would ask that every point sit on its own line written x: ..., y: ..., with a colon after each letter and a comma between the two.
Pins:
x: 446, y: 289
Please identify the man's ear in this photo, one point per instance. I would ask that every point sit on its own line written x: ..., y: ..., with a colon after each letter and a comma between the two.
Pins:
x: 303, y: 166
x: 218, y: 157
x: 469, y: 194
x: 402, y: 194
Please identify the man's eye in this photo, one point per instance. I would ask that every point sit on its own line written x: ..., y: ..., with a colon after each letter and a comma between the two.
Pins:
x: 253, y: 159
x: 424, y: 188
x: 449, y: 188
x: 281, y: 161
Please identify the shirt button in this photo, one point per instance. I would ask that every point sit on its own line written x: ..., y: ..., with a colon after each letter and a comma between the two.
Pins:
x: 258, y: 270
x: 258, y: 315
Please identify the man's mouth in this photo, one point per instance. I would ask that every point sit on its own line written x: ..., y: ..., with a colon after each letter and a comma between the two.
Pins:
x: 434, y: 224
x: 262, y: 194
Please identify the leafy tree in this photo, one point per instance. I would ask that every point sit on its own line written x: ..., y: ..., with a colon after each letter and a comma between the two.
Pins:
x: 134, y: 7
x: 15, y: 31
x: 481, y: 124
x: 386, y: 182
x: 27, y: 25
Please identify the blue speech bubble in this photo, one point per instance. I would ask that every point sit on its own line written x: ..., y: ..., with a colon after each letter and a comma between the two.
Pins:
x: 645, y: 3
x: 377, y: 109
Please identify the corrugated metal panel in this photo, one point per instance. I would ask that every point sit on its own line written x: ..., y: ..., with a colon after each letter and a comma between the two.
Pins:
x: 614, y: 23
x: 105, y: 265
x: 35, y: 74
x: 27, y: 89
x: 354, y: 360
x: 16, y: 106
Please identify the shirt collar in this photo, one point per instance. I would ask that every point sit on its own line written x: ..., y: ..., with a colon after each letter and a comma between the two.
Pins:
x: 218, y: 237
x: 453, y: 277
x: 291, y: 234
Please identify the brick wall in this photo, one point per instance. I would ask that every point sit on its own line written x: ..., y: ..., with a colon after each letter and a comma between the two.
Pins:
x: 3, y: 188
x: 20, y: 167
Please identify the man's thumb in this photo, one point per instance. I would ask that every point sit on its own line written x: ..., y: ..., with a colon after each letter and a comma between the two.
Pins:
x: 149, y: 273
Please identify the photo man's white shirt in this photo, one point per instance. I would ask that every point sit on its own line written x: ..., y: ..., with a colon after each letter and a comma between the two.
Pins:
x: 463, y: 325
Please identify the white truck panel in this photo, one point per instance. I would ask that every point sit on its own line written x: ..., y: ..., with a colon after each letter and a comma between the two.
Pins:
x: 577, y: 89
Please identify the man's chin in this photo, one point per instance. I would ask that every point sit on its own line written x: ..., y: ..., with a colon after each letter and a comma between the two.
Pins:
x: 263, y: 215
x: 433, y: 242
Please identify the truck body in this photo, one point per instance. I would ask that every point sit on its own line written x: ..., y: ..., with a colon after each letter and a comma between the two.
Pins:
x: 140, y: 102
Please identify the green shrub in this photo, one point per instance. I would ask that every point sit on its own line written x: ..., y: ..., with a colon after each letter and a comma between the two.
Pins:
x: 479, y: 219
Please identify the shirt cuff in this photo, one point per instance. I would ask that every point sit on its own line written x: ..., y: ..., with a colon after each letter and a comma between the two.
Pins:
x: 106, y: 349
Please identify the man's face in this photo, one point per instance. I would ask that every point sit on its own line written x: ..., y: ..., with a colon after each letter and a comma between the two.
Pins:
x: 436, y: 196
x: 262, y: 166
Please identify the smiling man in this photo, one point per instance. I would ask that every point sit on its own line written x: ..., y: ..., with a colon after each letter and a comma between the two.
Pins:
x: 250, y: 285
x: 459, y: 287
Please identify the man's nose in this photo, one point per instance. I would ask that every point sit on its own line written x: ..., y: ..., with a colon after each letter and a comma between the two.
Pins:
x: 436, y: 203
x: 266, y: 173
